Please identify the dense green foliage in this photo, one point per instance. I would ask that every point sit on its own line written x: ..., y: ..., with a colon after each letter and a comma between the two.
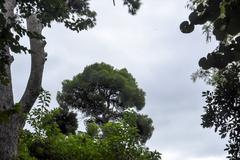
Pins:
x: 55, y: 135
x: 220, y: 18
x: 111, y: 141
x: 66, y: 121
x: 222, y: 107
x: 220, y: 68
x: 145, y: 128
x: 104, y: 94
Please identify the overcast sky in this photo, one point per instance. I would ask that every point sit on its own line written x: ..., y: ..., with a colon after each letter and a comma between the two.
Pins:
x: 157, y: 54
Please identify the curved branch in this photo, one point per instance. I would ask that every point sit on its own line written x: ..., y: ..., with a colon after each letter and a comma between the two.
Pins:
x: 37, y: 65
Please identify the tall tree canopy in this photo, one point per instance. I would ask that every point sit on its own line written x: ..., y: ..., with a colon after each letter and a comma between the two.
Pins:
x: 104, y: 94
x: 221, y: 19
x: 220, y: 68
x: 74, y: 14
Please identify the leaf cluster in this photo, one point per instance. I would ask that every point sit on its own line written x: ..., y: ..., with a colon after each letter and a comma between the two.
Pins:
x: 142, y: 123
x: 105, y: 94
x: 75, y: 14
x: 102, y: 92
x: 113, y: 140
x: 36, y: 118
x: 66, y: 121
x: 133, y: 5
x: 222, y: 110
x: 220, y: 18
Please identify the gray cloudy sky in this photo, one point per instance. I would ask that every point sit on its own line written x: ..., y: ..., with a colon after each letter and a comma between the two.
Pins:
x: 157, y: 54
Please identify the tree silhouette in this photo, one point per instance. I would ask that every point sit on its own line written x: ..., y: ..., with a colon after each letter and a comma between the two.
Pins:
x: 220, y: 19
x: 222, y: 108
x: 104, y: 94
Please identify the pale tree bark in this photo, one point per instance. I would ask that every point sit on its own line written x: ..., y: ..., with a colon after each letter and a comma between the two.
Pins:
x: 37, y: 65
x: 14, y: 121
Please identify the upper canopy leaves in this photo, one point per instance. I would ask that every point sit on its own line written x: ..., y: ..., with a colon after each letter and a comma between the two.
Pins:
x: 75, y: 14
x: 102, y: 92
x: 222, y: 109
x: 222, y: 19
x: 133, y: 5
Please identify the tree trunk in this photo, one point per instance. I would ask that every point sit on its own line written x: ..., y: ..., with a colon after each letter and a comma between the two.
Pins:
x: 9, y: 134
x: 6, y: 94
x: 9, y: 123
x: 11, y: 119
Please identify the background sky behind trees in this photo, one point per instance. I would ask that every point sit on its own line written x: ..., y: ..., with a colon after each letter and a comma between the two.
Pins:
x: 161, y: 58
